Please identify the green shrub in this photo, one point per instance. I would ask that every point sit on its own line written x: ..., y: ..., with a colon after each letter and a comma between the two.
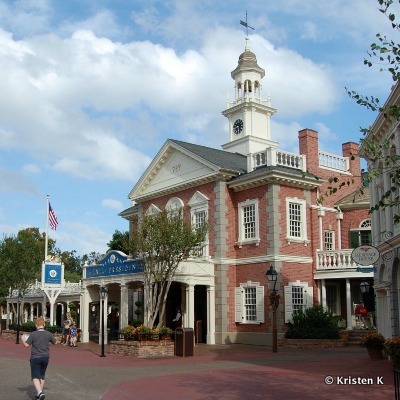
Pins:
x: 29, y: 326
x: 314, y: 323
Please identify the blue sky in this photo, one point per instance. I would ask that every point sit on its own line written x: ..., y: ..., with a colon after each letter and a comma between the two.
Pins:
x: 90, y: 90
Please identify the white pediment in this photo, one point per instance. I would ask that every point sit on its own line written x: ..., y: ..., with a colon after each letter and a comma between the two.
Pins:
x: 172, y: 168
x: 198, y: 198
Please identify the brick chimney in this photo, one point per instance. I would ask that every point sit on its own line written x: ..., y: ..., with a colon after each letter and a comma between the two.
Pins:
x: 350, y: 149
x: 308, y: 145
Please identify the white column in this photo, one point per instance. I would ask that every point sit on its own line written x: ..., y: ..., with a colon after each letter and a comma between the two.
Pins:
x: 103, y: 322
x: 339, y: 217
x: 8, y: 316
x: 321, y: 213
x: 190, y: 306
x: 84, y: 315
x: 123, y: 309
x: 323, y: 293
x: 211, y: 315
x: 349, y: 306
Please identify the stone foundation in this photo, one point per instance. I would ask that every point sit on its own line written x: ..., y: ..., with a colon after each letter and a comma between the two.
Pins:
x: 143, y: 349
x: 311, y: 343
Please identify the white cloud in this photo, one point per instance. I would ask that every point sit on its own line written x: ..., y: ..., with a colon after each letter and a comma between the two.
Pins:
x: 111, y: 203
x: 31, y: 168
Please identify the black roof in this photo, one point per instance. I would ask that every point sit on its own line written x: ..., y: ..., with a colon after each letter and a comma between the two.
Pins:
x: 223, y: 159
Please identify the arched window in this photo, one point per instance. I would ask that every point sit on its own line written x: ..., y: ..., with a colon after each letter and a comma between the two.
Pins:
x: 174, y: 205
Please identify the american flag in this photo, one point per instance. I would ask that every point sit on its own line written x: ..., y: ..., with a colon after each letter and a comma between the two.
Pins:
x: 52, y: 218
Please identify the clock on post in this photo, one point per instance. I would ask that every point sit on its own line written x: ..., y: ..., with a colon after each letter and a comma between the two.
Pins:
x: 237, y: 126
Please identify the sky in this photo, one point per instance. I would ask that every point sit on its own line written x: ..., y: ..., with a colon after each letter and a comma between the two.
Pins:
x: 91, y: 90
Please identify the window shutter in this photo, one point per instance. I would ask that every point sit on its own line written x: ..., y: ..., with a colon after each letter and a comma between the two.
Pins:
x: 288, y: 303
x: 308, y: 294
x: 260, y: 303
x: 354, y: 239
x: 238, y: 304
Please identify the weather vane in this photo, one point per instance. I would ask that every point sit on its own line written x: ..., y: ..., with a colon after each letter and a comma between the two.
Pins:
x: 246, y: 25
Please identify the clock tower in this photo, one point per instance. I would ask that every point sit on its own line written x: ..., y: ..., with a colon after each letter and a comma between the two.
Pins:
x: 248, y: 115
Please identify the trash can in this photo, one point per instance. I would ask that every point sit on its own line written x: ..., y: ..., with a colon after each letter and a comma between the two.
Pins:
x: 184, y: 342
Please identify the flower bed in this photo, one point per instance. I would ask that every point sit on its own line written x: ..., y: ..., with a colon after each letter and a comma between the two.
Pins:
x: 143, y: 348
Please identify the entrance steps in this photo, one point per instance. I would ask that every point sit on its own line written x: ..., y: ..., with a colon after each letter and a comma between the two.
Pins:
x: 356, y: 336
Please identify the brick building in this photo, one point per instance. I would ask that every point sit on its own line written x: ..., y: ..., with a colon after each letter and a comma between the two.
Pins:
x: 261, y: 203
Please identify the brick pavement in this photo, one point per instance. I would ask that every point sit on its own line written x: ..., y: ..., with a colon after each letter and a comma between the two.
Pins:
x: 214, y: 372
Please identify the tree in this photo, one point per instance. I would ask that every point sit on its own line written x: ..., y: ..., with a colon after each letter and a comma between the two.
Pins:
x: 385, y: 53
x: 162, y: 241
x: 119, y: 241
x: 21, y: 258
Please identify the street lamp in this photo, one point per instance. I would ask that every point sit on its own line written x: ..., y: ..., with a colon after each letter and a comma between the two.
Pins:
x: 19, y: 299
x: 364, y: 287
x: 103, y: 295
x: 272, y: 277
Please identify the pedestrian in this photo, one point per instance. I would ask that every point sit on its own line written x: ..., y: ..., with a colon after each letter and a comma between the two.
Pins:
x: 39, y: 342
x: 178, y: 318
x: 73, y: 333
x: 65, y: 333
x: 113, y: 319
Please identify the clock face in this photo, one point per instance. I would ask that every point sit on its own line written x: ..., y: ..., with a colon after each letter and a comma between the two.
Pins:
x: 237, y: 126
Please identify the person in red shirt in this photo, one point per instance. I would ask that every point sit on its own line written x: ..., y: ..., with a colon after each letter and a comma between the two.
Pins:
x: 362, y: 312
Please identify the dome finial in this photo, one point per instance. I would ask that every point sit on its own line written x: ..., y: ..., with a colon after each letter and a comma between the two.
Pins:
x: 247, y: 47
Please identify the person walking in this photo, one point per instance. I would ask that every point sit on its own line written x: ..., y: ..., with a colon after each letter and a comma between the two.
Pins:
x: 39, y: 342
x: 65, y: 333
x: 73, y: 333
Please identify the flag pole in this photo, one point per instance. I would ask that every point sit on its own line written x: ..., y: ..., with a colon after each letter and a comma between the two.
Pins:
x: 47, y: 230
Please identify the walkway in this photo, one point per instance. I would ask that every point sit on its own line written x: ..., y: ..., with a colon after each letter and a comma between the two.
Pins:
x: 229, y: 372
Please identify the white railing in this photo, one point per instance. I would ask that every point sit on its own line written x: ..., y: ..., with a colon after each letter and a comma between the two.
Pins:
x: 335, y: 259
x: 333, y: 161
x: 69, y: 287
x: 273, y: 157
x: 246, y: 99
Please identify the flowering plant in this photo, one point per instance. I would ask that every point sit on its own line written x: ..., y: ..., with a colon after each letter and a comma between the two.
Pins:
x: 274, y: 298
x: 392, y: 347
x: 374, y: 340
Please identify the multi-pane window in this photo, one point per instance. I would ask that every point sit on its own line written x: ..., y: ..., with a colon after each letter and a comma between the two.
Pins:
x: 250, y: 304
x: 298, y: 296
x: 361, y: 236
x: 249, y: 221
x: 199, y: 215
x: 297, y: 299
x: 199, y: 219
x: 294, y: 220
x: 329, y: 240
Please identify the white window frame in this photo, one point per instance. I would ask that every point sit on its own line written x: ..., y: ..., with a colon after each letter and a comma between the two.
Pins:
x: 242, y: 310
x: 242, y: 240
x: 329, y: 241
x: 174, y: 205
x: 307, y: 298
x: 302, y: 238
x: 152, y: 210
x: 199, y: 204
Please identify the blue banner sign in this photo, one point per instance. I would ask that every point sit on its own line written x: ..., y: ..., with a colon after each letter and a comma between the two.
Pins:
x: 52, y: 274
x: 366, y: 270
x: 114, y: 263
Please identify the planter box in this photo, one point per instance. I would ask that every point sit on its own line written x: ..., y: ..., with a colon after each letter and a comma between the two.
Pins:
x: 143, y: 349
x: 311, y: 343
x: 12, y: 335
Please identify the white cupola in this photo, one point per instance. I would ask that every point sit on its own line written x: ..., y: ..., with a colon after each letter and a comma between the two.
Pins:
x: 248, y: 115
